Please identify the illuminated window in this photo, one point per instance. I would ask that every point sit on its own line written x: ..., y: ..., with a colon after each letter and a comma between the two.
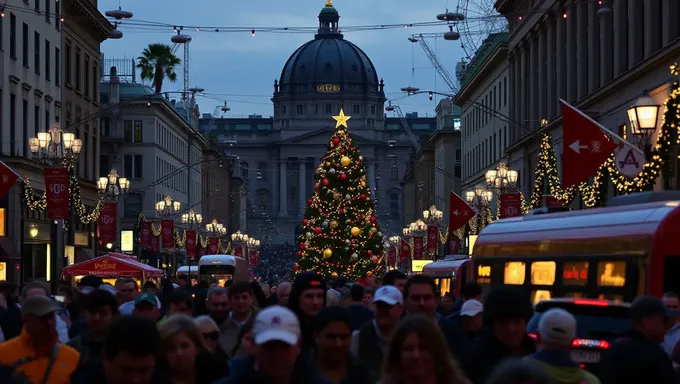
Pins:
x: 575, y: 273
x: 2, y: 224
x: 539, y: 295
x: 543, y: 272
x: 575, y: 295
x: 484, y: 271
x: 611, y: 273
x: 515, y: 273
x: 611, y: 297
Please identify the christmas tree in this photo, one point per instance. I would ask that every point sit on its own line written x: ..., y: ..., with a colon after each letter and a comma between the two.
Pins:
x: 339, y: 235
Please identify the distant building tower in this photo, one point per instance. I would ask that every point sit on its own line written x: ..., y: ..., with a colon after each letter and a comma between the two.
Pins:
x: 460, y: 69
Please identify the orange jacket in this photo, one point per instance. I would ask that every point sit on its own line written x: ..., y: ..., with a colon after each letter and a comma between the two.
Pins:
x: 23, y: 346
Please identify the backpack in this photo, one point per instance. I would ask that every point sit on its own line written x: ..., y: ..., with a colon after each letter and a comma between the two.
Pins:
x: 10, y: 375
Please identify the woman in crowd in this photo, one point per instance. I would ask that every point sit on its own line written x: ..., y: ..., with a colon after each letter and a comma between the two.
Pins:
x: 185, y: 358
x: 245, y: 344
x: 418, y: 354
x: 211, y: 335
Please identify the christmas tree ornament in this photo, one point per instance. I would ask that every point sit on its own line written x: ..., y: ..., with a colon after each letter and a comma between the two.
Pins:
x: 327, y: 253
x: 345, y: 161
x: 355, y: 231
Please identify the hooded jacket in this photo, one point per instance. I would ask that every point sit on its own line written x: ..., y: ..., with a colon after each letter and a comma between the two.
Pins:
x: 562, y: 369
x: 304, y: 281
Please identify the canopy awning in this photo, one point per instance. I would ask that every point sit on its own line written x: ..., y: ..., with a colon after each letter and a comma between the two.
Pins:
x: 113, y: 265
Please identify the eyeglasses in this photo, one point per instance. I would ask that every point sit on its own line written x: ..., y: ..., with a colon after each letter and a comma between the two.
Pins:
x: 214, y: 335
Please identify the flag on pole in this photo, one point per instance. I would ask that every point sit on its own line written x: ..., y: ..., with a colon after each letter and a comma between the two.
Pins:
x: 460, y: 212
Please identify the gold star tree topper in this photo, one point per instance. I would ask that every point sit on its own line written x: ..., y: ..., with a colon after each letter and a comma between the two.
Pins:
x: 341, y: 120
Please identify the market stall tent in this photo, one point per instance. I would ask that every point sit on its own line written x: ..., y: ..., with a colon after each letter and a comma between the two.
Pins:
x: 114, y: 265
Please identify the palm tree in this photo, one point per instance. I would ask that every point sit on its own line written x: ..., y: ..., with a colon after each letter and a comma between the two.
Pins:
x: 158, y: 62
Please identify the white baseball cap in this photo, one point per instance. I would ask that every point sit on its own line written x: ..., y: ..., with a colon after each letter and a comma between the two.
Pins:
x: 389, y: 295
x: 276, y: 323
x: 557, y: 327
x: 471, y: 308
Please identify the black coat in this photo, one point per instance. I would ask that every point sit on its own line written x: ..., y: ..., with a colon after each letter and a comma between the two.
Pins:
x: 635, y: 359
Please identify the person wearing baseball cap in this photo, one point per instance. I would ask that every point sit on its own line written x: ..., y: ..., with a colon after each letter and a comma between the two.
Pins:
x: 471, y: 317
x: 277, y: 358
x: 146, y: 305
x: 36, y: 353
x: 556, y: 332
x: 370, y: 343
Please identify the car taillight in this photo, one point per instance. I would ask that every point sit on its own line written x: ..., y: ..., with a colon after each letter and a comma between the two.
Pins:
x: 533, y: 336
x: 595, y: 302
x: 589, y: 343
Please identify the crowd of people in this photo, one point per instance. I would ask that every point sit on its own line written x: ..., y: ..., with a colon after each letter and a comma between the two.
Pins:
x: 309, y: 331
x: 276, y: 263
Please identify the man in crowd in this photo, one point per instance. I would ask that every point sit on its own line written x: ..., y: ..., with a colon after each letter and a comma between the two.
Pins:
x: 36, y: 354
x: 241, y: 298
x: 370, y: 343
x: 638, y: 357
x: 100, y: 311
x: 670, y: 343
x: 276, y: 359
x: 217, y: 304
x: 179, y: 302
x: 146, y: 306
x: 396, y: 278
x: 283, y: 293
x: 62, y: 320
x: 420, y: 294
x: 359, y: 314
x: 556, y: 331
x: 471, y: 318
x: 307, y: 298
x: 470, y: 291
x: 127, y: 289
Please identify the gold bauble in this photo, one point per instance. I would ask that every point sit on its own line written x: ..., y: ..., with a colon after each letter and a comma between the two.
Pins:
x: 345, y: 161
x: 333, y: 224
x: 362, y: 183
x: 327, y: 253
x: 334, y: 275
x: 355, y: 231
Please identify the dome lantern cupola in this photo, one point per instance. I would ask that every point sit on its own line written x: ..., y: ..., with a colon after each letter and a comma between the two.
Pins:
x: 328, y: 21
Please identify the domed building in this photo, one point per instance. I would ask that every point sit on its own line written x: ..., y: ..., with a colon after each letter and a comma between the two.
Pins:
x: 279, y: 155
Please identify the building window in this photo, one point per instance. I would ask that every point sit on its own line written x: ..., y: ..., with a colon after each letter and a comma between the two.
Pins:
x: 24, y: 127
x: 47, y: 10
x: 356, y: 109
x: 36, y: 52
x: 394, y: 173
x: 133, y: 205
x: 13, y: 36
x: 300, y: 109
x: 57, y: 14
x: 373, y: 110
x: 67, y: 63
x: 86, y: 76
x: 138, y: 131
x: 394, y: 204
x: 12, y: 120
x: 127, y: 131
x: 105, y: 126
x: 262, y: 170
x: 132, y: 166
x: 36, y: 126
x: 329, y: 108
x: 505, y: 91
x: 77, y: 72
x: 95, y: 82
x: 2, y: 33
x: 244, y: 169
x: 104, y: 165
x: 57, y: 66
x: 24, y: 54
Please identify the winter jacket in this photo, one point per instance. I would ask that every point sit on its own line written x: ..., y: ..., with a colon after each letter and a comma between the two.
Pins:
x: 243, y: 372
x: 562, y: 369
x: 484, y: 354
x: 636, y: 359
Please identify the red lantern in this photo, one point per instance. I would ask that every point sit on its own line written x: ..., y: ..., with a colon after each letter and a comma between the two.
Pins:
x: 325, y: 182
x: 343, y: 176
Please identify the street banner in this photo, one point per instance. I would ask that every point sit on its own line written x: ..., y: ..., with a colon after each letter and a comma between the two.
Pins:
x: 238, y: 250
x: 7, y: 179
x: 145, y: 235
x: 213, y: 245
x: 190, y: 245
x: 460, y: 212
x: 418, y: 248
x: 155, y: 243
x: 585, y: 147
x: 107, y: 223
x: 511, y: 205
x: 167, y: 233
x: 432, y: 241
x: 453, y: 244
x: 56, y: 186
x: 405, y: 251
x: 392, y: 256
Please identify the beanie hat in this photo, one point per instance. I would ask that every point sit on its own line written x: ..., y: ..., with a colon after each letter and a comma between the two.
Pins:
x: 302, y: 282
x: 507, y: 302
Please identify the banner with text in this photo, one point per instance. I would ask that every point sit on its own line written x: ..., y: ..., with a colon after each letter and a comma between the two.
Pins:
x: 167, y: 233
x: 392, y: 256
x: 145, y: 235
x: 190, y: 245
x: 511, y: 205
x: 56, y: 186
x: 453, y: 244
x: 432, y: 232
x: 107, y: 223
x: 405, y: 251
x: 213, y: 245
x: 418, y: 248
x: 238, y: 250
x: 155, y: 243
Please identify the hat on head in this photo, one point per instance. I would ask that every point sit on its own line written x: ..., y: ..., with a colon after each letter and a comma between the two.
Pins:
x: 389, y: 295
x: 90, y: 281
x: 276, y: 323
x: 471, y: 308
x: 39, y: 306
x: 557, y: 327
x: 649, y: 306
x: 308, y: 280
x: 148, y: 298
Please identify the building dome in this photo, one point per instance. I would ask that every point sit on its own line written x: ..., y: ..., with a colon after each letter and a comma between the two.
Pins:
x: 329, y: 63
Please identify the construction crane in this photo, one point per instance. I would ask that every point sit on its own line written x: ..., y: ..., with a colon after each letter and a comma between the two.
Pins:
x: 224, y: 109
x: 397, y: 110
x: 445, y: 75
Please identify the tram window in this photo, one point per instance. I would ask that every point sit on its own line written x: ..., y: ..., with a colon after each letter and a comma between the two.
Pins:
x: 483, y: 274
x: 611, y: 297
x: 611, y: 273
x: 444, y: 285
x: 515, y: 273
x: 543, y: 272
x: 575, y: 295
x: 575, y: 273
x: 539, y: 295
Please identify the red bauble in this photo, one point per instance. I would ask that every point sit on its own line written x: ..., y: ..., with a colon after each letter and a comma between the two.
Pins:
x: 341, y: 211
x: 370, y: 252
x: 305, y: 221
x: 317, y: 230
x: 358, y: 162
x: 362, y: 196
x: 299, y: 254
x: 325, y: 182
x: 295, y: 267
x: 302, y: 246
x: 362, y: 216
x: 372, y: 219
x: 309, y: 202
x: 336, y: 141
x: 343, y: 176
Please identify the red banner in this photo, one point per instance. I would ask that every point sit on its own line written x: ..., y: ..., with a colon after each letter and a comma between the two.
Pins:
x: 107, y: 223
x: 432, y: 233
x: 167, y: 233
x: 7, y: 179
x: 253, y: 258
x: 392, y: 256
x: 145, y: 235
x: 453, y: 244
x: 213, y: 246
x: 190, y: 245
x: 56, y: 186
x: 154, y: 243
x: 418, y: 248
x: 238, y: 250
x: 511, y: 205
x: 405, y: 251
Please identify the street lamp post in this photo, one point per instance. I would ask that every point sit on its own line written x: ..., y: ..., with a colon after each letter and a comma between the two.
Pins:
x: 192, y: 221
x: 501, y: 180
x: 480, y: 198
x: 166, y: 209
x: 56, y: 148
x: 643, y: 116
x: 253, y: 251
x: 395, y: 241
x: 433, y: 218
x: 110, y: 189
x: 238, y: 242
x: 417, y: 231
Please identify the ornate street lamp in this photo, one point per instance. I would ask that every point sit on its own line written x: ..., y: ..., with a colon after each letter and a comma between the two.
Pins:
x: 479, y: 199
x: 192, y: 219
x: 433, y: 218
x: 215, y: 229
x: 239, y: 241
x: 643, y: 116
x: 501, y: 178
x: 55, y: 147
x: 168, y: 207
x: 112, y: 187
